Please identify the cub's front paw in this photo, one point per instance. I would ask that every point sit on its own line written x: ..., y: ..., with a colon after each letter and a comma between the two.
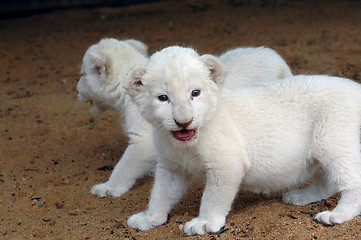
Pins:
x: 202, y: 226
x: 332, y: 218
x: 107, y: 189
x: 145, y: 221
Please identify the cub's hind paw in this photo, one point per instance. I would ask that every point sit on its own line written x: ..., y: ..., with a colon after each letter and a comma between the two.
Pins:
x: 301, y: 197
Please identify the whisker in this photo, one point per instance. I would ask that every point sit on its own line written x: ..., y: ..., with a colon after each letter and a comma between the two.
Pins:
x: 76, y: 105
x: 159, y: 127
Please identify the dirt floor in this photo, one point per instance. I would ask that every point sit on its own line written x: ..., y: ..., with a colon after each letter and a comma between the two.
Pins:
x: 52, y: 150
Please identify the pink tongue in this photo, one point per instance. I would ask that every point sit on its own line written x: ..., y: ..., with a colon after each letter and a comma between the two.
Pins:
x: 184, y: 135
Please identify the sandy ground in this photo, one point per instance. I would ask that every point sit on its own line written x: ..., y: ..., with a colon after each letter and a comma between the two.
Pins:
x: 51, y: 148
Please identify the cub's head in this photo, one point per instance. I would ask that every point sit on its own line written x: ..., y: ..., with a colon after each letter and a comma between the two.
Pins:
x: 177, y: 91
x: 104, y: 68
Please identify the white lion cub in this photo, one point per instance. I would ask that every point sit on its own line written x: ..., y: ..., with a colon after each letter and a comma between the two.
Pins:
x: 104, y: 68
x: 267, y: 138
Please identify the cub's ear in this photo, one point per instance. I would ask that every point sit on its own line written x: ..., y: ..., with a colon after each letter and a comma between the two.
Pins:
x: 216, y: 68
x: 138, y: 45
x: 134, y: 83
x: 96, y: 65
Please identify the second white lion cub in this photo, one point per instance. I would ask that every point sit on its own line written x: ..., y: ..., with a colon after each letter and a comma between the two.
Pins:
x: 267, y: 137
x: 105, y: 66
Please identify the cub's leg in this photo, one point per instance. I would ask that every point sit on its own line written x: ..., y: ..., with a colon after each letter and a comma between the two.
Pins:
x: 338, y: 151
x: 319, y: 189
x: 136, y: 161
x: 168, y: 188
x: 221, y: 187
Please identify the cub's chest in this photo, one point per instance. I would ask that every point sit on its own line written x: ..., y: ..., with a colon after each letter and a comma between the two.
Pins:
x: 186, y: 162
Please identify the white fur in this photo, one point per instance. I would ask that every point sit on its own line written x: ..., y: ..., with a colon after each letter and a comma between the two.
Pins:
x: 104, y: 68
x: 267, y: 138
x: 248, y: 65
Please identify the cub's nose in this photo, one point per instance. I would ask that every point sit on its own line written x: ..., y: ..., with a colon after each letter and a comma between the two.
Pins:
x: 183, y: 125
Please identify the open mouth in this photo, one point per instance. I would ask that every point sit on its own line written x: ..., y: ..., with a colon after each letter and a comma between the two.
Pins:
x: 184, y: 134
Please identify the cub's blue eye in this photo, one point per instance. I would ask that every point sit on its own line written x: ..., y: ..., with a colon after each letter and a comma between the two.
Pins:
x: 163, y: 98
x: 196, y: 93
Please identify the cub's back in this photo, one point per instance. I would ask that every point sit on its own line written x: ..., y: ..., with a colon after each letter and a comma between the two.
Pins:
x: 289, y: 106
x: 295, y: 90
